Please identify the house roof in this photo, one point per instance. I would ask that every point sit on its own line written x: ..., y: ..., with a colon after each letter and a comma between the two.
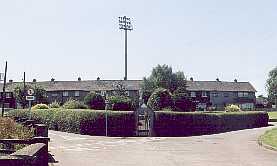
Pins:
x: 94, y: 85
x: 87, y: 85
x: 219, y: 86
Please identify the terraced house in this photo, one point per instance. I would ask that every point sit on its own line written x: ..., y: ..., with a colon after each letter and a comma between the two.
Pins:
x: 204, y: 94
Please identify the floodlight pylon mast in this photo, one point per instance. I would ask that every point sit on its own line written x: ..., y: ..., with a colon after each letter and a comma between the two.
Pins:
x: 125, y: 24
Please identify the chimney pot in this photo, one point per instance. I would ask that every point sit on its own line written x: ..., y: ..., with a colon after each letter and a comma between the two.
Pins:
x: 34, y: 80
x: 235, y: 80
x: 217, y: 79
x: 191, y: 78
x: 79, y: 79
x: 52, y: 79
x: 98, y: 78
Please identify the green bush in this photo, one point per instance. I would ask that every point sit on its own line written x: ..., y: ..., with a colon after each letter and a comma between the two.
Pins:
x: 74, y: 104
x: 11, y: 130
x: 232, y: 108
x: 160, y: 99
x: 182, y: 102
x: 40, y: 106
x: 168, y: 123
x: 95, y: 101
x: 90, y: 122
x: 120, y: 103
x: 54, y: 104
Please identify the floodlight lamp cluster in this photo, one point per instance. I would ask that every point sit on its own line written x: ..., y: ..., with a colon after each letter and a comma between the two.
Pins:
x: 125, y: 23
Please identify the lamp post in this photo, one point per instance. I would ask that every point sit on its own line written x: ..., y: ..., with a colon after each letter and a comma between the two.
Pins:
x: 125, y: 24
x: 4, y: 90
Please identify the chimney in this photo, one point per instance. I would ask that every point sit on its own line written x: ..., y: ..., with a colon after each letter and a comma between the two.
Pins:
x: 98, y: 78
x: 235, y: 80
x: 79, y: 79
x: 52, y: 79
x: 10, y: 81
x: 217, y: 79
x: 34, y: 80
x: 191, y: 79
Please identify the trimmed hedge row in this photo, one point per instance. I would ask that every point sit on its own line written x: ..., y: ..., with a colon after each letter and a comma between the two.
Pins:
x: 198, y: 123
x: 90, y: 122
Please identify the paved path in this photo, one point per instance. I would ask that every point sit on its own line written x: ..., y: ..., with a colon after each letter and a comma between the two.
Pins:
x: 237, y: 148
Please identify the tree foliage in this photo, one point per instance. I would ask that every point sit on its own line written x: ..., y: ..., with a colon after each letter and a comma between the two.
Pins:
x: 162, y: 76
x: 20, y: 93
x: 271, y: 84
x: 120, y: 89
x: 160, y: 99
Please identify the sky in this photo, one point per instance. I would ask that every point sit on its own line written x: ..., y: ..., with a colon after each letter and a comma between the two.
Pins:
x: 206, y: 39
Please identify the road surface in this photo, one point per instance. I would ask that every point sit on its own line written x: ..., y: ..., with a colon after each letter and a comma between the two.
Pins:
x: 237, y: 148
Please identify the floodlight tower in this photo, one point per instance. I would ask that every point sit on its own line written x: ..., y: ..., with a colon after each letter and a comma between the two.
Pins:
x: 125, y: 24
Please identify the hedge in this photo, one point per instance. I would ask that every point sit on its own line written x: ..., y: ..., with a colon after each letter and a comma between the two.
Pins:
x: 89, y: 122
x: 168, y: 123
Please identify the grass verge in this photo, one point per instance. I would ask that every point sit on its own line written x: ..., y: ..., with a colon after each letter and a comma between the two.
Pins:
x: 269, y: 139
x: 272, y: 116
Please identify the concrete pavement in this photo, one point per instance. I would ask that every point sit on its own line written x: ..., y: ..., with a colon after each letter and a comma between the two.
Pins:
x: 237, y: 148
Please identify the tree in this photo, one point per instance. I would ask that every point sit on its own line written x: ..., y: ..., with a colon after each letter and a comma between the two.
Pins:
x: 39, y: 93
x: 162, y: 77
x: 271, y: 85
x: 120, y: 89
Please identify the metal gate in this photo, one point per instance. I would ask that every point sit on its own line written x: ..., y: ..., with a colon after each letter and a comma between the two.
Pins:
x: 144, y: 121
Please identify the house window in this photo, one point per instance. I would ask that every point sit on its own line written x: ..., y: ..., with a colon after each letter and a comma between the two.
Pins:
x: 65, y: 93
x: 204, y: 94
x: 103, y: 93
x: 8, y: 95
x: 215, y: 94
x: 77, y: 93
x: 226, y: 95
x: 243, y: 94
x: 193, y: 94
x: 54, y: 94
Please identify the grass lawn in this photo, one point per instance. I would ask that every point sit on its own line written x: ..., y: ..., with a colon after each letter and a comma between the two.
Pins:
x: 272, y: 116
x: 270, y: 138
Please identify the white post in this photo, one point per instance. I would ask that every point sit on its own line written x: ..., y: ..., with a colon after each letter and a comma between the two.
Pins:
x: 30, y: 102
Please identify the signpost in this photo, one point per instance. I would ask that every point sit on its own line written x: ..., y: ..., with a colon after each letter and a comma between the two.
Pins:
x: 30, y: 98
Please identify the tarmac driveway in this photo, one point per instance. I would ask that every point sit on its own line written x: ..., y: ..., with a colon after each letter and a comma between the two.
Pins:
x: 237, y: 148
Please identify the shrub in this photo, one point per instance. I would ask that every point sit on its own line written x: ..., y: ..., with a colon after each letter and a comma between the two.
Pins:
x: 95, y: 101
x: 182, y: 102
x: 54, y: 104
x: 232, y: 108
x: 120, y: 103
x: 74, y: 104
x: 90, y: 122
x: 40, y: 106
x: 11, y: 130
x: 160, y: 98
x: 168, y: 123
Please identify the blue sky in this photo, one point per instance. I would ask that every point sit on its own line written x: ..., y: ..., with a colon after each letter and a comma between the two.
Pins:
x: 206, y: 39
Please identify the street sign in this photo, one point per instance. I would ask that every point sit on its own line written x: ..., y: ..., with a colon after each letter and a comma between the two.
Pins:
x: 30, y: 92
x: 30, y: 98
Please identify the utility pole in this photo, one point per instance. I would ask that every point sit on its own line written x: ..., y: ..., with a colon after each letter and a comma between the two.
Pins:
x: 125, y: 24
x: 4, y: 90
x: 24, y: 89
